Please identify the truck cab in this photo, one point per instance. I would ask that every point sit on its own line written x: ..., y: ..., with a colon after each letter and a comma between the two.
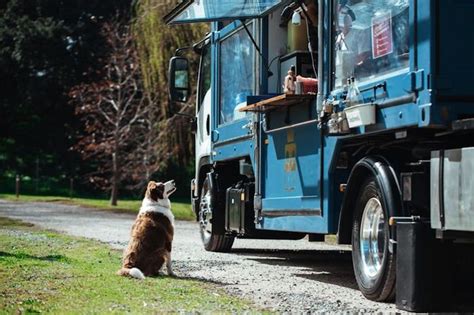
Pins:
x: 347, y: 117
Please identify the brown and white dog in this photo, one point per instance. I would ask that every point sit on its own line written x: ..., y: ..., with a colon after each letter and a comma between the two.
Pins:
x: 152, y: 234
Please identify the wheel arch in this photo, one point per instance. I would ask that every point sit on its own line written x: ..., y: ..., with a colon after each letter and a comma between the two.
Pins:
x: 386, y: 178
x: 204, y: 166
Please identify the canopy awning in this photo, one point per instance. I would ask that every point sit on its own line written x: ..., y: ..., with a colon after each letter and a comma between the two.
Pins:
x: 193, y: 11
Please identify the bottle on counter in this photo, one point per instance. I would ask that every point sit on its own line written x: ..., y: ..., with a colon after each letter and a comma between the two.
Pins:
x: 353, y: 94
x: 289, y: 86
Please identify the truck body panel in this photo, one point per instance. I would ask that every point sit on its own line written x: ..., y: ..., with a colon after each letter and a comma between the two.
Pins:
x: 410, y: 64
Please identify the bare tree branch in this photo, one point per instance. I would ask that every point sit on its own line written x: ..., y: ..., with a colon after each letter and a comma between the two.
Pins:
x: 119, y: 118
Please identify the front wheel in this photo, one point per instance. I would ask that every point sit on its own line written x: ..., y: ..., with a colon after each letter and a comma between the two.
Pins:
x: 211, y: 239
x: 374, y: 263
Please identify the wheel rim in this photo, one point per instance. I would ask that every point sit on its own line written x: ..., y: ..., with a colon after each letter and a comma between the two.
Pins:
x: 372, y: 238
x: 205, y: 215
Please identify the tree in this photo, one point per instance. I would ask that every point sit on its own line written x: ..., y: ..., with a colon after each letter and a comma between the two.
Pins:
x: 45, y: 47
x: 156, y: 44
x: 118, y: 115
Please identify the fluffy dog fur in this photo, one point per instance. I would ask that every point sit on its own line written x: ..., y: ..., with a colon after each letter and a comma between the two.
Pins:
x: 152, y: 234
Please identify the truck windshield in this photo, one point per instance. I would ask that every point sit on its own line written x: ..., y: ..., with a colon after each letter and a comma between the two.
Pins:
x: 237, y: 75
x: 372, y: 38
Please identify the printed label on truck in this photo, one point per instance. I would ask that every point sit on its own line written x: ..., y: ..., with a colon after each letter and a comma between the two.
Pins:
x: 354, y: 118
x: 382, y: 40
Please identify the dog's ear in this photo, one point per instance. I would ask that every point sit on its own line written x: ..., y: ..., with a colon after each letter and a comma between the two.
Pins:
x: 156, y: 191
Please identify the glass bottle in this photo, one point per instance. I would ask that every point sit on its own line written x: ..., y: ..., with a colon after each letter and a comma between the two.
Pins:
x: 353, y: 94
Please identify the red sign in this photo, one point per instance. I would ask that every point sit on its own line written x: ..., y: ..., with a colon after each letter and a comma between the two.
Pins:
x: 382, y: 40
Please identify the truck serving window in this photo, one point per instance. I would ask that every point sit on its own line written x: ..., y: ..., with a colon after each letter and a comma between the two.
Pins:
x: 371, y: 38
x: 237, y: 75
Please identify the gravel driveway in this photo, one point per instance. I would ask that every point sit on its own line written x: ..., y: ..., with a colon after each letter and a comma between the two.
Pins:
x: 294, y: 276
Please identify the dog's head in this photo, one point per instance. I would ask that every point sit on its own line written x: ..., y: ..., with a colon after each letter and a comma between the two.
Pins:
x: 156, y: 191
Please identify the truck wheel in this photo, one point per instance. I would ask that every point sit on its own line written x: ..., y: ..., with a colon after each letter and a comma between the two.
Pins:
x: 374, y: 264
x: 213, y: 241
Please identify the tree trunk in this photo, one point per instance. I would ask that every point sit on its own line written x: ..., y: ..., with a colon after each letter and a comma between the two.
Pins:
x: 114, y: 192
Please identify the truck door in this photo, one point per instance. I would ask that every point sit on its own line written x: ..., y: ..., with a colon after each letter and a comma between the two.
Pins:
x: 291, y: 170
x: 235, y: 71
x: 234, y: 67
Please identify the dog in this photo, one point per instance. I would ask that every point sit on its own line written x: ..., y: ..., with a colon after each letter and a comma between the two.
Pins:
x: 152, y: 234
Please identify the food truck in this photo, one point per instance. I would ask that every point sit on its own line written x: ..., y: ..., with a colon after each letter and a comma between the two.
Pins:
x: 347, y: 117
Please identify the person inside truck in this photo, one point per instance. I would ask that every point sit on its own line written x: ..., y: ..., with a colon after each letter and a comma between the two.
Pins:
x: 353, y: 46
x: 371, y: 39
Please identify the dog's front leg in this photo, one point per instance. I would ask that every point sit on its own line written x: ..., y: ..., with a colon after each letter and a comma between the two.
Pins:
x: 168, y: 265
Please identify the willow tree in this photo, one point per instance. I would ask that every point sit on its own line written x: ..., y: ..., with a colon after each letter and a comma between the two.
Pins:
x: 156, y: 43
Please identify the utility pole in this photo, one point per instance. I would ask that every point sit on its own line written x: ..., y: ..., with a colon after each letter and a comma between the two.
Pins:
x: 17, y: 186
x: 71, y: 187
x: 37, y: 175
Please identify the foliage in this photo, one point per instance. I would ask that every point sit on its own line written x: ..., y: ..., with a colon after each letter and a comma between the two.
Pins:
x: 118, y: 116
x: 48, y: 272
x: 45, y: 47
x: 156, y: 44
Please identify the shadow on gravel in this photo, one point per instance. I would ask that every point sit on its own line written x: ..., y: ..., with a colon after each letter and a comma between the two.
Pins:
x: 328, y: 266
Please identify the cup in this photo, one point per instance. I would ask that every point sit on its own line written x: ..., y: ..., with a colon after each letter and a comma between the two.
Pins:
x: 299, y: 87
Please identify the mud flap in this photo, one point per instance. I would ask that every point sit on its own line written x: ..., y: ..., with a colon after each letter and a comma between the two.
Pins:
x: 424, y: 275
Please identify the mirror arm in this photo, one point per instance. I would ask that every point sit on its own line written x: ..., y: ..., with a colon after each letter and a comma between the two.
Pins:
x: 182, y: 49
x: 185, y: 115
x: 191, y: 117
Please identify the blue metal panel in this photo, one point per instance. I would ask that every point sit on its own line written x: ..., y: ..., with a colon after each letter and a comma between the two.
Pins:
x: 327, y: 221
x: 306, y: 224
x: 291, y: 196
x: 455, y: 48
x: 291, y: 164
x: 234, y: 150
x: 332, y: 196
x: 450, y: 46
x: 422, y: 44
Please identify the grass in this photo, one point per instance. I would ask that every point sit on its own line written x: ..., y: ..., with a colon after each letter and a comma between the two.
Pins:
x: 43, y: 271
x: 181, y: 209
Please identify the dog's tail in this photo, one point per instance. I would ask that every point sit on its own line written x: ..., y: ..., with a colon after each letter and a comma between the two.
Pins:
x: 132, y: 272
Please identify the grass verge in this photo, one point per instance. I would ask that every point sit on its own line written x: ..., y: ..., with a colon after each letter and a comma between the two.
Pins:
x: 42, y: 271
x: 181, y: 209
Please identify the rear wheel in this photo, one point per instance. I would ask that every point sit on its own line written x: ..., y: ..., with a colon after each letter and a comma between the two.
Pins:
x: 211, y: 239
x: 374, y: 263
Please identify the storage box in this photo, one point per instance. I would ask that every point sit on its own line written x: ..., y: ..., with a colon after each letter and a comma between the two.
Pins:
x: 235, y: 209
x: 360, y: 115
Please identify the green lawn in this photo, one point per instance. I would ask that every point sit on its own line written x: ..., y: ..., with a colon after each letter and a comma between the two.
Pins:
x: 42, y: 271
x: 181, y: 209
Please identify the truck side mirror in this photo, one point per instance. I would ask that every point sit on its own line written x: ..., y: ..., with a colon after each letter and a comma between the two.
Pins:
x: 178, y: 80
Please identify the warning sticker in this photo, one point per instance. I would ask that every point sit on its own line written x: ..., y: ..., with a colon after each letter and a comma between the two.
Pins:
x: 382, y: 39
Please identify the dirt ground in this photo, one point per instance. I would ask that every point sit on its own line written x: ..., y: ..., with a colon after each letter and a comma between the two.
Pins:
x: 292, y: 276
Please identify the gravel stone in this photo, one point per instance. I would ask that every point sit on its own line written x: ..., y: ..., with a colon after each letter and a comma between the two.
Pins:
x: 283, y: 276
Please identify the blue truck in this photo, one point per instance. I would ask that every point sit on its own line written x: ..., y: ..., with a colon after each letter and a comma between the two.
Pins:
x: 347, y: 117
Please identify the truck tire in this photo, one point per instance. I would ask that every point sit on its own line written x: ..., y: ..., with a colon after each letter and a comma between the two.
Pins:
x: 374, y: 264
x: 212, y: 240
